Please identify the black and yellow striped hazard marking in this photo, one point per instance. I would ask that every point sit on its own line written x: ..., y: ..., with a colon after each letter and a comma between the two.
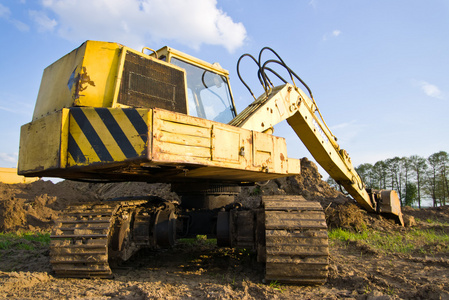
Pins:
x: 106, y: 135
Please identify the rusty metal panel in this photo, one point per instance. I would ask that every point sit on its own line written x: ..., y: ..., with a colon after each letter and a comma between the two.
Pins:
x: 280, y: 160
x: 263, y: 150
x: 293, y: 166
x: 41, y: 143
x: 180, y: 138
x: 183, y: 139
x: 226, y: 145
x: 148, y: 145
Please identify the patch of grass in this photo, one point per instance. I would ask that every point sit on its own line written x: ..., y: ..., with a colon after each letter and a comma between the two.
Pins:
x: 23, y: 240
x: 390, y: 291
x: 275, y: 285
x: 256, y: 191
x: 367, y: 289
x: 436, y: 222
x: 23, y: 246
x: 416, y: 240
x: 200, y: 240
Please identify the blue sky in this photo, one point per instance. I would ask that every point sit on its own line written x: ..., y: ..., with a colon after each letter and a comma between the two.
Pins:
x: 379, y: 70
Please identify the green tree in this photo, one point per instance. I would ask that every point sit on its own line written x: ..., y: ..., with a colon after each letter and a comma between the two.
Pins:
x: 434, y: 163
x: 394, y: 171
x: 419, y: 166
x: 437, y: 179
x: 411, y: 193
x: 332, y: 183
x: 365, y: 172
x: 380, y: 175
x: 407, y: 167
x: 417, y: 175
x: 444, y: 172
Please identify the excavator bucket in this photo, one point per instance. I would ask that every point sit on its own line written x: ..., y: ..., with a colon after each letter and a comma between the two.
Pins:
x: 390, y: 205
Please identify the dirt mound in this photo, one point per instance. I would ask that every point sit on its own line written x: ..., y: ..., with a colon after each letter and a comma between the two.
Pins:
x: 438, y: 214
x: 27, y: 206
x: 346, y: 216
x: 308, y: 184
x: 35, y: 206
x: 357, y: 270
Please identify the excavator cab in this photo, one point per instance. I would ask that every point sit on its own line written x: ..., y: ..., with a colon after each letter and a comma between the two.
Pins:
x: 209, y: 94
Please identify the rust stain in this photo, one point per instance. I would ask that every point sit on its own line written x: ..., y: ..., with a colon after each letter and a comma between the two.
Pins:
x: 282, y: 157
x: 82, y: 82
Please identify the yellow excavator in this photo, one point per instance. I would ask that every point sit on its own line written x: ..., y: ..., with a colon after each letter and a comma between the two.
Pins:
x: 108, y: 113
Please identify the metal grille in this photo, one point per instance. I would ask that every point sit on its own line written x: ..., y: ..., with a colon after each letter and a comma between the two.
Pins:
x: 147, y: 83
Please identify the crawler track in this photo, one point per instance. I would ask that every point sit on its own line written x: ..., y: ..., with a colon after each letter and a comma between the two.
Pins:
x: 79, y: 241
x: 297, y: 249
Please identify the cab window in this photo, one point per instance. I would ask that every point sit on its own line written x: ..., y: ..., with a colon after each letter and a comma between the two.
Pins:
x: 208, y: 93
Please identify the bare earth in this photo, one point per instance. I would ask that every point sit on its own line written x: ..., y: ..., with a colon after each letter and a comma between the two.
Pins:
x: 201, y: 270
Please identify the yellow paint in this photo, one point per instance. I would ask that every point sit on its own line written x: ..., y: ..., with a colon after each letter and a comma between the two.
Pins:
x: 84, y: 77
x: 64, y: 137
x: 101, y: 66
x: 9, y: 175
x: 106, y: 137
x: 293, y: 166
x: 90, y: 77
x: 104, y: 134
x: 169, y: 53
x: 79, y: 137
x: 220, y: 151
x: 263, y: 149
x: 40, y: 144
x: 182, y: 139
x: 129, y: 129
x: 226, y: 144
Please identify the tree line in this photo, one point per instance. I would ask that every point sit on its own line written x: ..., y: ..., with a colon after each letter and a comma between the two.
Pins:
x: 415, y: 178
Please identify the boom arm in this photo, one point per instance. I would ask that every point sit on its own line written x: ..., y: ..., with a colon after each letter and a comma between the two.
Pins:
x: 287, y: 102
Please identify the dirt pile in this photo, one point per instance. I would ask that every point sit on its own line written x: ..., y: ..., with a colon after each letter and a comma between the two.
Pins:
x: 356, y: 270
x: 35, y: 206
x: 308, y: 184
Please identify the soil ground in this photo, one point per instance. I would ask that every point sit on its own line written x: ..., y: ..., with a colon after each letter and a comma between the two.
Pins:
x: 199, y: 269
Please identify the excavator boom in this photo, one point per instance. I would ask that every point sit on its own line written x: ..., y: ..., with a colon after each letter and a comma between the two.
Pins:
x: 288, y: 102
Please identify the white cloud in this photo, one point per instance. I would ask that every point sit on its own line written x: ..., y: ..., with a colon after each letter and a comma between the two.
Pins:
x: 8, y: 159
x: 141, y: 22
x: 7, y: 109
x: 347, y: 132
x: 334, y: 34
x: 20, y: 25
x: 313, y: 3
x: 5, y: 13
x: 344, y: 125
x: 431, y: 90
x: 44, y: 23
